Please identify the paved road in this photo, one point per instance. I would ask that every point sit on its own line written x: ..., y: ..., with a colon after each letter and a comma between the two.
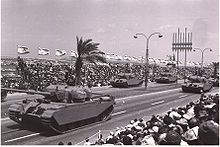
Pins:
x: 117, y: 92
x: 127, y: 108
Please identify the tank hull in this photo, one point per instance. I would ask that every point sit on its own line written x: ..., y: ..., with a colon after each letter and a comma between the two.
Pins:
x: 192, y: 89
x: 196, y: 88
x: 126, y: 84
x: 62, y: 117
x: 166, y: 80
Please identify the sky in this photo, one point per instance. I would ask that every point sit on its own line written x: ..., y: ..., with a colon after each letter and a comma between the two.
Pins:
x: 54, y: 24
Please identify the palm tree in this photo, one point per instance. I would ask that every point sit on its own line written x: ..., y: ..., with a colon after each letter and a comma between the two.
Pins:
x: 216, y: 66
x: 87, y: 51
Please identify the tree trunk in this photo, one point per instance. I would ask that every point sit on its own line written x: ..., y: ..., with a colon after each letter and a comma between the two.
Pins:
x: 78, y: 66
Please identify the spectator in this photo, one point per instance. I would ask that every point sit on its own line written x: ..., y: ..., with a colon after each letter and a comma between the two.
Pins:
x: 69, y: 143
x: 172, y: 138
x: 60, y: 143
x: 87, y: 142
x: 209, y: 133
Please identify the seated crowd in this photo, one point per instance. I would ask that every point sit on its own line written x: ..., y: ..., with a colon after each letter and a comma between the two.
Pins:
x: 37, y: 75
x: 195, y: 124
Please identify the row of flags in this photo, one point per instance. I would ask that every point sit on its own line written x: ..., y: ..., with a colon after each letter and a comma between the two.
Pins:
x: 45, y: 51
x: 111, y: 56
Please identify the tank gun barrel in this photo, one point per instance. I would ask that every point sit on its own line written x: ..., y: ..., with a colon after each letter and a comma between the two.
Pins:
x: 26, y: 91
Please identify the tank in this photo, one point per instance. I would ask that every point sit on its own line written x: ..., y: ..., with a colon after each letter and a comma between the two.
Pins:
x: 63, y: 108
x: 126, y: 80
x: 196, y: 84
x: 3, y: 95
x: 166, y: 78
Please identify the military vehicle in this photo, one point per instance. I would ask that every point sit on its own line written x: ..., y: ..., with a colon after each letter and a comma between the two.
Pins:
x: 62, y: 108
x: 196, y: 84
x: 166, y: 77
x: 215, y: 82
x: 126, y: 80
x: 3, y: 95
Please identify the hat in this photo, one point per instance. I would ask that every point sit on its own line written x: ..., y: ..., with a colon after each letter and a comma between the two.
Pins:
x: 138, y: 128
x: 191, y: 134
x: 161, y: 138
x: 209, y: 133
x: 187, y: 116
x: 174, y: 115
x: 148, y: 140
x: 154, y: 129
x: 129, y: 135
x: 117, y: 128
x: 182, y: 121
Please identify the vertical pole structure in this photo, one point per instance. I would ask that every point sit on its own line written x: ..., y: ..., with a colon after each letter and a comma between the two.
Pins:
x: 202, y: 60
x: 146, y: 63
x: 185, y: 57
x: 147, y: 53
x: 178, y: 59
x: 182, y: 43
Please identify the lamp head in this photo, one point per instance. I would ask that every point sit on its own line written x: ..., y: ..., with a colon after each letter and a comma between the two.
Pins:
x: 210, y: 50
x: 135, y: 36
x: 160, y: 35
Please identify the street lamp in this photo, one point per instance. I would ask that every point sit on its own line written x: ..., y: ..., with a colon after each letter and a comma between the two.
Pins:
x: 147, y: 50
x: 202, y: 51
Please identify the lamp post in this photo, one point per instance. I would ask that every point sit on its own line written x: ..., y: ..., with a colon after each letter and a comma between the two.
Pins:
x: 147, y: 50
x: 202, y: 51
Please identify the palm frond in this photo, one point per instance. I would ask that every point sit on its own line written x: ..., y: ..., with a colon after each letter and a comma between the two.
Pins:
x: 95, y: 58
x: 79, y: 45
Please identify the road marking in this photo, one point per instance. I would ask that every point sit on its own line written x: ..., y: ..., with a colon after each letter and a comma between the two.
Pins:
x: 158, y: 102
x: 159, y: 92
x: 22, y: 137
x: 4, y: 119
x: 183, y: 96
x: 120, y: 112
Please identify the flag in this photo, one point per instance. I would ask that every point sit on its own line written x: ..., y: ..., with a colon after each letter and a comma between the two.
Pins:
x: 23, y: 50
x: 43, y: 51
x: 73, y: 54
x: 60, y: 52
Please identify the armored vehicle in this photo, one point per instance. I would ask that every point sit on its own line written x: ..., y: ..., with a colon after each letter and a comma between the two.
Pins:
x: 62, y: 108
x: 196, y: 84
x: 215, y: 82
x: 3, y: 95
x: 166, y: 77
x: 126, y: 80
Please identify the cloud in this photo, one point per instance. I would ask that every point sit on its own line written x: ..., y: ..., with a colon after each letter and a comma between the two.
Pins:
x: 112, y: 25
x: 101, y: 30
x: 165, y: 27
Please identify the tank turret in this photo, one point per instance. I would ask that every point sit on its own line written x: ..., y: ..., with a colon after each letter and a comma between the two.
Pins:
x: 63, y: 108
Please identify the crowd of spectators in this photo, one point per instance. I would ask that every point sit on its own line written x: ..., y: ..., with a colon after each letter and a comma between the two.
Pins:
x: 195, y: 124
x: 38, y: 74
